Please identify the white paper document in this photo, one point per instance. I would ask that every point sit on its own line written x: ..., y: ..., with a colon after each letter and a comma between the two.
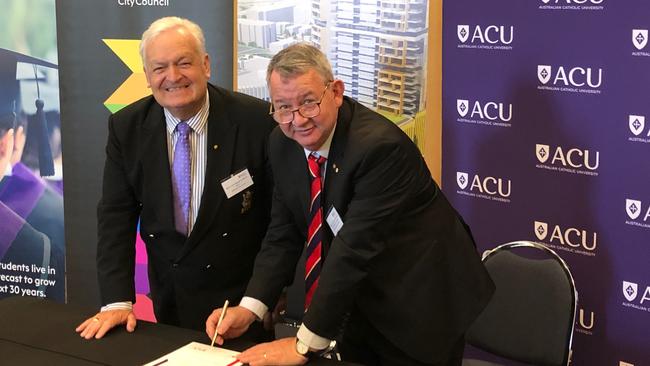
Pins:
x: 198, y: 354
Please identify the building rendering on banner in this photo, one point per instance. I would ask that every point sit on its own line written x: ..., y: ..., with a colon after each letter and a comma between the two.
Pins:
x: 378, y: 49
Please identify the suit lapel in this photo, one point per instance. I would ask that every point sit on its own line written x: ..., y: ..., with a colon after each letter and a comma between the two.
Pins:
x: 335, y: 157
x: 222, y: 138
x: 298, y: 174
x: 156, y: 169
x: 334, y: 171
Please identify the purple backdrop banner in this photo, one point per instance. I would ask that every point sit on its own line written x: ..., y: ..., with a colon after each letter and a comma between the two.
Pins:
x: 545, y: 138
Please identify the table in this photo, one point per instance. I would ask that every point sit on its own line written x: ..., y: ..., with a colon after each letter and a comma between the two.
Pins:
x: 41, y: 332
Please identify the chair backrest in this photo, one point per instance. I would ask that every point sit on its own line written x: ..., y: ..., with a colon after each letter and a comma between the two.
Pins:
x: 531, y: 316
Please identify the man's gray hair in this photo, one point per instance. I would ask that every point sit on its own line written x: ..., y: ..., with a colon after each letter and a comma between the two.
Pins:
x: 298, y: 59
x: 166, y: 23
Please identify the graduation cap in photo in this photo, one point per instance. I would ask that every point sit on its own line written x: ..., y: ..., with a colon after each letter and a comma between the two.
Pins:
x: 11, y: 104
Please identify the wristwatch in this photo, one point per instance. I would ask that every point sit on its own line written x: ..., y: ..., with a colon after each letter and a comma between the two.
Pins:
x: 303, y: 349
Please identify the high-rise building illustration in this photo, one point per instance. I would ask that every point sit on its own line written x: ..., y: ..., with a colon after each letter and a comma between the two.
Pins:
x: 377, y: 47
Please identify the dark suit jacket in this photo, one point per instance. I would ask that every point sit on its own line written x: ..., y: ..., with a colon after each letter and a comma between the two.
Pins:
x: 403, y: 259
x: 188, y: 277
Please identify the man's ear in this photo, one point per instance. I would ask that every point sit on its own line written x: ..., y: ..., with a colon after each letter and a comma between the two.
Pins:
x: 144, y: 70
x: 338, y: 88
x: 206, y: 65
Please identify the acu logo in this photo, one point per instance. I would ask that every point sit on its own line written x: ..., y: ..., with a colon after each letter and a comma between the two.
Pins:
x: 462, y: 179
x: 572, y: 237
x: 490, y: 110
x: 492, y: 34
x: 637, y: 125
x: 631, y: 292
x: 634, y: 208
x: 574, y: 157
x: 489, y: 185
x: 639, y: 38
x: 576, y: 76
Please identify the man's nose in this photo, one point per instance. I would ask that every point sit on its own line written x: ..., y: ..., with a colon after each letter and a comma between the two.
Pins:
x: 298, y: 119
x: 173, y: 73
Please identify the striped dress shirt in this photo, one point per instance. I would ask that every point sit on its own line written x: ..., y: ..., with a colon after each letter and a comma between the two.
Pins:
x: 198, y: 148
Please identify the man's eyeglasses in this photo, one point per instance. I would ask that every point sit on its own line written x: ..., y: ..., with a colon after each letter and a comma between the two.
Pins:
x: 307, y: 110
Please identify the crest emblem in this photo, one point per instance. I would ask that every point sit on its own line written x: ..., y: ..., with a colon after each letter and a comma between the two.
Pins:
x: 633, y: 208
x: 463, y: 33
x: 544, y: 73
x: 247, y: 201
x: 462, y: 180
x: 637, y: 124
x: 541, y: 229
x: 542, y: 152
x: 640, y: 38
x: 462, y: 106
x: 630, y: 290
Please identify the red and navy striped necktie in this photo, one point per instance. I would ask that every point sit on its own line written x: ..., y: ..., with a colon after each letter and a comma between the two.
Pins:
x: 314, y: 233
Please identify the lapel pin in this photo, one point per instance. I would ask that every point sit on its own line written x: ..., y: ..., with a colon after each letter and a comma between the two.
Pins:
x: 214, y: 147
x: 247, y: 201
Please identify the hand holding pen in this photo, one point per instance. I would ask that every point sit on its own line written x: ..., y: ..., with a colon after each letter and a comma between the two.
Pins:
x: 230, y: 325
x: 223, y: 313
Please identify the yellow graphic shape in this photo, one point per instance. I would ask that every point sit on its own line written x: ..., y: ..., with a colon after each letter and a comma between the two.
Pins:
x: 135, y: 86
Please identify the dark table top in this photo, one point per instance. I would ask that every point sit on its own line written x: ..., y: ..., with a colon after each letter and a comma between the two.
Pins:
x: 41, y: 332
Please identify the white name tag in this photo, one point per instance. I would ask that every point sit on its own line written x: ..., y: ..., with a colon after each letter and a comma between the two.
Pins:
x: 237, y: 183
x: 334, y: 221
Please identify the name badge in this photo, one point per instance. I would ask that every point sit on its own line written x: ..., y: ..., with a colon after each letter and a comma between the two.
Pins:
x: 237, y: 183
x: 334, y: 220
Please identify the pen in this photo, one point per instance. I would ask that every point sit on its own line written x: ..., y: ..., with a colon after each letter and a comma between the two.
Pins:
x: 223, y: 313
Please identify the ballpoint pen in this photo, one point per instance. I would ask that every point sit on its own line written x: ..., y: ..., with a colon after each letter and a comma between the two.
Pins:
x: 223, y: 313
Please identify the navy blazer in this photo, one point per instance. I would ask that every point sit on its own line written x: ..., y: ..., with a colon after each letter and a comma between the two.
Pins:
x: 403, y: 259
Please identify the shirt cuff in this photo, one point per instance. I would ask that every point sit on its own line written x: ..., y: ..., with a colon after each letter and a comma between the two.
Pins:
x: 257, y: 307
x: 314, y: 341
x: 122, y: 305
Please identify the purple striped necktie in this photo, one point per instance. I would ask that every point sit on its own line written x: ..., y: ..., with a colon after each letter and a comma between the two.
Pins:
x: 182, y: 178
x: 313, y: 263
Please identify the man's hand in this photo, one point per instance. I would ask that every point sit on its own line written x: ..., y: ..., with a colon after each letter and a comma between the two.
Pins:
x: 234, y: 324
x: 280, y: 352
x: 98, y: 325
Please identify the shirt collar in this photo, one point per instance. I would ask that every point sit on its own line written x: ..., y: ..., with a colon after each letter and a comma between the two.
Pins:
x: 324, y: 150
x: 196, y: 122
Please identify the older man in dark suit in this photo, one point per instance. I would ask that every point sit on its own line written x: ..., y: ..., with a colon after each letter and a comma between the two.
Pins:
x: 391, y: 269
x: 190, y: 163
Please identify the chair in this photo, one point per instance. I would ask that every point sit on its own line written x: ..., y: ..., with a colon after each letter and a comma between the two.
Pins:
x: 531, y: 316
